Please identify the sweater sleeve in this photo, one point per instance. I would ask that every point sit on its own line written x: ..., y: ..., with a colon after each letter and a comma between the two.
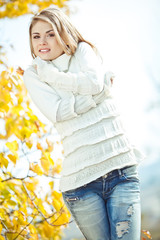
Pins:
x: 46, y: 98
x: 50, y: 103
x: 108, y: 80
x: 88, y: 81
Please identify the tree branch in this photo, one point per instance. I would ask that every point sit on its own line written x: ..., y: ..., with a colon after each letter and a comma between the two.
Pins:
x: 25, y: 227
x: 44, y: 217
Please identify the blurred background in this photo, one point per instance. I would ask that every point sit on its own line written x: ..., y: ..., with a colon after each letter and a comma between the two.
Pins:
x: 127, y: 34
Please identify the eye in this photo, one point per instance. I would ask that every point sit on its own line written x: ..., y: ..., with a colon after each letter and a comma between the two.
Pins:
x: 36, y: 37
x: 51, y: 35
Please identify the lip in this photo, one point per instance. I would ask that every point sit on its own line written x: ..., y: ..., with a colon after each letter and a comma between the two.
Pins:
x: 44, y: 50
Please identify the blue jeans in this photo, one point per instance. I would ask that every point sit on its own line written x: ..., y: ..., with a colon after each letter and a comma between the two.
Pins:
x: 109, y: 207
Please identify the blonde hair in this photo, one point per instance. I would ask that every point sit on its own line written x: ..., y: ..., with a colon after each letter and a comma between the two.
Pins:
x: 66, y: 34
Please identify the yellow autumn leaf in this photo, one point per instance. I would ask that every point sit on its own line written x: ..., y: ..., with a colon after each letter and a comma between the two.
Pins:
x: 18, y: 110
x: 11, y: 69
x: 62, y: 219
x: 51, y: 184
x: 147, y: 233
x: 16, y: 213
x: 21, y: 220
x: 36, y: 168
x: 57, y: 204
x: 7, y: 97
x: 56, y: 195
x: 11, y: 202
x: 48, y: 157
x: 13, y: 146
x: 39, y: 146
x: 31, y: 115
x: 29, y: 144
x: 13, y: 158
x: 50, y: 145
x: 45, y: 164
x: 3, y: 161
x: 2, y: 214
x: 58, y: 168
x: 20, y: 71
x: 66, y: 216
x: 4, y: 107
x: 32, y: 229
x: 2, y: 238
x: 58, y: 238
x: 1, y: 227
x: 30, y: 186
x: 18, y: 134
x: 20, y: 98
x: 26, y: 132
x: 47, y: 231
x: 21, y: 122
x: 34, y: 236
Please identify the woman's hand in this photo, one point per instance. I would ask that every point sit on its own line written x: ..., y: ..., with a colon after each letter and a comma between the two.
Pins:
x: 39, y: 65
x: 109, y: 78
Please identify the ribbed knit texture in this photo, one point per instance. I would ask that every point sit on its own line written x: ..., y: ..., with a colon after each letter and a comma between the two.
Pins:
x: 95, y: 144
x: 73, y: 93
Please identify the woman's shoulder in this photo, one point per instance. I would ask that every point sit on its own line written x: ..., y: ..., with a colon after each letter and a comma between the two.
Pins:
x: 83, y: 48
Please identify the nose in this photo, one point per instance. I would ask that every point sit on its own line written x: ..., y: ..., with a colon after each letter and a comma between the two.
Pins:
x: 43, y: 41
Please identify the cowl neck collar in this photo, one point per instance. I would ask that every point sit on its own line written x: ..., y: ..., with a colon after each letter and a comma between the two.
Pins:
x: 62, y: 62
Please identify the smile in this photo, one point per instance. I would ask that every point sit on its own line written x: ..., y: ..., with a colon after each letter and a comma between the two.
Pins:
x: 44, y: 50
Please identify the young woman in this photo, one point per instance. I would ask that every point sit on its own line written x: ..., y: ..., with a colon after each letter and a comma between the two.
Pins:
x: 66, y: 81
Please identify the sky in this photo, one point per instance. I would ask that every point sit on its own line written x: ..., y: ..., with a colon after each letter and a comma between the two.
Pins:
x: 126, y: 32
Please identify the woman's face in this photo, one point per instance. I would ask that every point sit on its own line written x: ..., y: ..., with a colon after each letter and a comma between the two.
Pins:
x: 44, y: 42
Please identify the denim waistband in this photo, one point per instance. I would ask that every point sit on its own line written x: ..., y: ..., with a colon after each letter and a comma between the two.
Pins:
x: 116, y: 172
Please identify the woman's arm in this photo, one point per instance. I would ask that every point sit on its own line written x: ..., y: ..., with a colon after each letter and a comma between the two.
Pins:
x: 46, y: 98
x: 88, y: 81
x: 50, y: 103
x: 53, y: 106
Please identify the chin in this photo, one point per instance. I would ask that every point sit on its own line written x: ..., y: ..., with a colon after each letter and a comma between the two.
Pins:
x: 45, y: 58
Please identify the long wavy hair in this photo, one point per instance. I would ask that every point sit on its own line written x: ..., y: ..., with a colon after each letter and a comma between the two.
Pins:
x: 66, y: 34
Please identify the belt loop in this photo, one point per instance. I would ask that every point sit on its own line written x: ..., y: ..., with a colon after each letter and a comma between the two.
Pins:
x: 119, y: 172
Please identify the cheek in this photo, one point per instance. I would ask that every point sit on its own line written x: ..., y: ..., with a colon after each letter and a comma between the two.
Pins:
x: 34, y: 50
x: 59, y: 49
x: 56, y: 45
x: 34, y: 45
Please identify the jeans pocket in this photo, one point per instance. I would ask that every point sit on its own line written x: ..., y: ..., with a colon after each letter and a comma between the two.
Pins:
x: 71, y: 199
x: 71, y: 196
x: 130, y: 173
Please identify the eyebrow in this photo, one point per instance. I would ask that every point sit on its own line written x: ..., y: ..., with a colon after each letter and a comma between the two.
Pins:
x: 46, y: 32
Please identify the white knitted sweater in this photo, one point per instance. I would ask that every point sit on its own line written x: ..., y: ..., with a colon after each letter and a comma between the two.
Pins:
x: 70, y: 91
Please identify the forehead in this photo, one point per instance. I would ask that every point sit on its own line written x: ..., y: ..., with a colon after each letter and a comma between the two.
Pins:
x: 41, y: 26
